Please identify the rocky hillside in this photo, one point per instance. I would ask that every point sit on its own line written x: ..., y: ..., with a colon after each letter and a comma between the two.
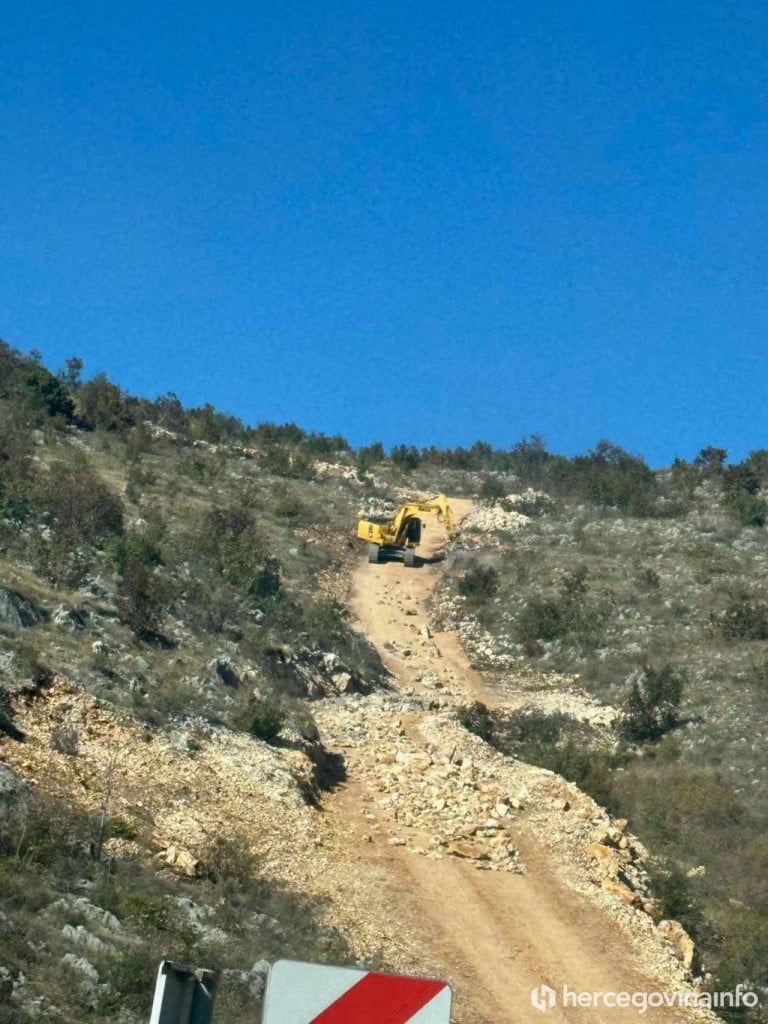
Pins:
x: 215, y: 746
x: 634, y: 651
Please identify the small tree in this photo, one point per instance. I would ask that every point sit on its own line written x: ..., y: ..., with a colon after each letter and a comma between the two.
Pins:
x: 70, y: 375
x: 741, y: 497
x: 710, y: 461
x: 405, y: 457
x: 102, y: 404
x: 46, y: 396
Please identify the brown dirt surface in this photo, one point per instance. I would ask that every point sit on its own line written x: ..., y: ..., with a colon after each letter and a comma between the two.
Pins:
x: 394, y: 854
x: 494, y: 935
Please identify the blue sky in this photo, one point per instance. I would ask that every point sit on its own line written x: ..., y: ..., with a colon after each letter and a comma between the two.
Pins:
x: 421, y: 222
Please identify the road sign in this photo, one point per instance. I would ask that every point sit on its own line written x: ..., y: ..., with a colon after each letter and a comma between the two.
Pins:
x: 299, y: 993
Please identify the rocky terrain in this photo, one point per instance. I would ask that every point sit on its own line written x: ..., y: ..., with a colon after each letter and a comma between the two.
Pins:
x: 225, y: 737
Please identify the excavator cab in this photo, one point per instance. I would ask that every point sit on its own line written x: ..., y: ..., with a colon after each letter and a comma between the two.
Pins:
x: 413, y: 530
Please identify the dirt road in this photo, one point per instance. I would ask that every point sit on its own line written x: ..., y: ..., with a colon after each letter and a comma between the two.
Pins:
x: 494, y: 934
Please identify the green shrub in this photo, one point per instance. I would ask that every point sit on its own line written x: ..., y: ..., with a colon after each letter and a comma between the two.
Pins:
x: 80, y: 508
x: 477, y: 718
x: 741, y: 497
x: 574, y: 615
x: 479, y: 583
x: 151, y: 909
x: 30, y: 666
x: 587, y: 621
x: 50, y: 833
x: 15, y: 469
x: 138, y: 547
x: 607, y: 475
x: 195, y: 468
x: 266, y: 718
x: 649, y: 579
x: 142, y: 598
x: 266, y: 580
x: 102, y: 405
x: 757, y: 675
x: 130, y: 979
x: 684, y: 479
x: 550, y: 740
x: 691, y: 813
x: 492, y: 487
x: 542, y: 618
x: 280, y: 461
x: 229, y: 863
x: 744, y: 618
x: 574, y: 583
x: 652, y: 707
x: 233, y: 536
x: 746, y: 508
x: 710, y: 461
x: 138, y: 479
x: 121, y: 827
x: 405, y: 457
x: 46, y: 396
x: 287, y: 504
x: 676, y: 899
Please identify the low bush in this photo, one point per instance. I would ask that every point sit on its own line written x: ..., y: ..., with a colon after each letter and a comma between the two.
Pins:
x: 280, y: 461
x: 744, y: 618
x: 575, y: 617
x: 479, y: 583
x: 652, y: 706
x: 102, y: 405
x: 237, y: 543
x: 45, y: 396
x: 79, y: 507
x: 265, y: 718
x: 232, y: 866
x: 138, y: 547
x: 492, y: 487
x: 542, y: 618
x: 142, y: 598
x: 550, y: 740
x: 673, y: 890
x: 477, y: 718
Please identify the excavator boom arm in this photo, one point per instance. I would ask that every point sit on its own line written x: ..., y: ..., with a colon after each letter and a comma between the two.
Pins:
x: 394, y: 532
x: 438, y: 504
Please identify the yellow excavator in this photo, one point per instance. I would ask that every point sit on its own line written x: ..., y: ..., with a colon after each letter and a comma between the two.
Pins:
x: 397, y: 536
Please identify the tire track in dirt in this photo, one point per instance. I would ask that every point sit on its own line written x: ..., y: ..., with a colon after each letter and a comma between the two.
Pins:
x: 494, y: 935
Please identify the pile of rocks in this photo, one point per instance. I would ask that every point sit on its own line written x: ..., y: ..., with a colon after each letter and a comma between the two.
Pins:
x: 479, y: 526
x: 432, y: 801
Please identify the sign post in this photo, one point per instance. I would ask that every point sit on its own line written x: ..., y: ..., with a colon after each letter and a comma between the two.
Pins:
x: 183, y: 995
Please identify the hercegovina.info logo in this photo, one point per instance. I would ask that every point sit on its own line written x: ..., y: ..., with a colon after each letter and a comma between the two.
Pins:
x: 545, y: 998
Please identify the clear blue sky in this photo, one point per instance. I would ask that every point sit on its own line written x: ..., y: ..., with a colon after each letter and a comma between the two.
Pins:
x: 417, y: 221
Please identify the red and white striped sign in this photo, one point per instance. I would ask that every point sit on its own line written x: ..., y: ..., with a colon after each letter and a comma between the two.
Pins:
x: 299, y: 993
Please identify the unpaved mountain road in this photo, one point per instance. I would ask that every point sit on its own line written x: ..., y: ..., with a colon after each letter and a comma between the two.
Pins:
x: 495, y: 935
